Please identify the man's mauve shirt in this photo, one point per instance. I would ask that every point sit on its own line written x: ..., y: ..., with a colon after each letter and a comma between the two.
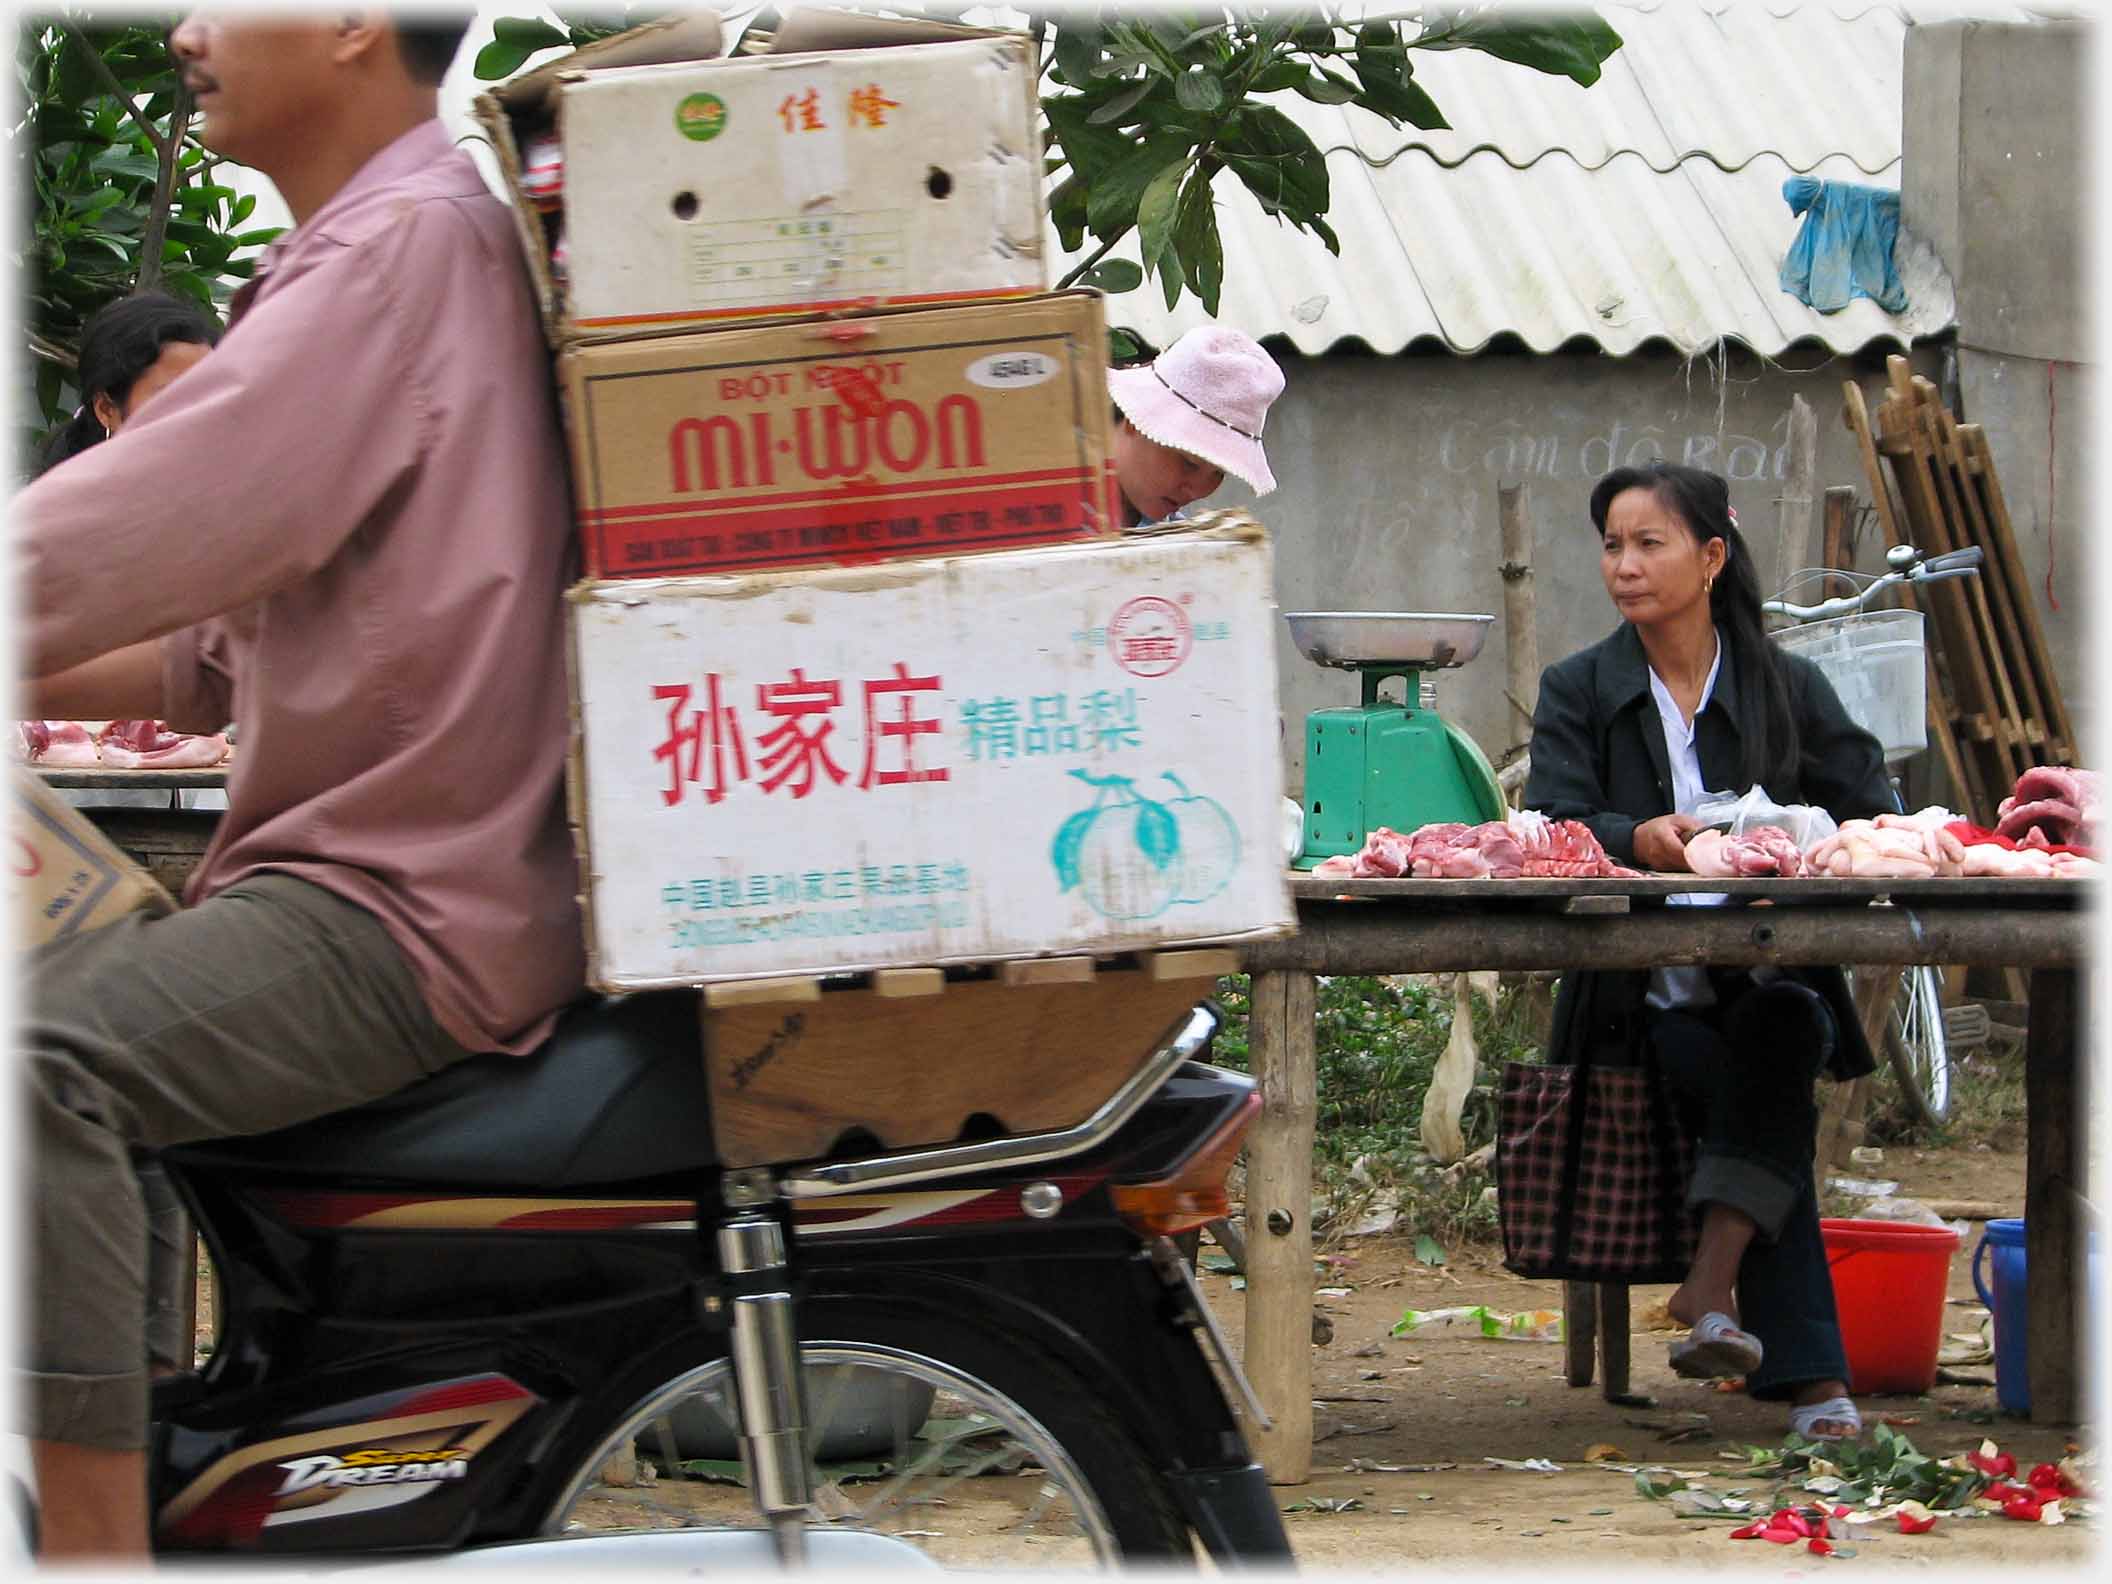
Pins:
x: 349, y: 528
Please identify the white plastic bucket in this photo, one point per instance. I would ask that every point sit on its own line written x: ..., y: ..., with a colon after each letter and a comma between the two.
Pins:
x: 1875, y: 664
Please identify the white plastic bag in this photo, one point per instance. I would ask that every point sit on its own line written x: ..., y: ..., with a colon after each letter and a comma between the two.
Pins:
x: 1806, y: 824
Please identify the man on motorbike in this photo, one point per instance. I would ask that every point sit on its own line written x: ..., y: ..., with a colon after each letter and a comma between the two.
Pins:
x: 347, y: 531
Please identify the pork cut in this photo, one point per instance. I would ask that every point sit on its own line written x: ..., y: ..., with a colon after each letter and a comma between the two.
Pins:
x: 1526, y: 845
x: 57, y: 745
x: 150, y: 745
x: 2052, y: 803
x: 1760, y: 850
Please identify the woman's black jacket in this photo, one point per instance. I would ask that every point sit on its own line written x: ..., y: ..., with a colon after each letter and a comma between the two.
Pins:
x: 1599, y: 756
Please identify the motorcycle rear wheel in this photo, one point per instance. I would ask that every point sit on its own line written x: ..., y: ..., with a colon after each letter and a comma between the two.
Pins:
x: 1013, y: 1465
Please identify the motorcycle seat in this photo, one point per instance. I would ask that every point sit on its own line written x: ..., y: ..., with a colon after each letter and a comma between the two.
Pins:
x: 615, y: 1094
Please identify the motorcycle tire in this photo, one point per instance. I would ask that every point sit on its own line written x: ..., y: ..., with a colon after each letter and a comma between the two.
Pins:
x: 1037, y: 1415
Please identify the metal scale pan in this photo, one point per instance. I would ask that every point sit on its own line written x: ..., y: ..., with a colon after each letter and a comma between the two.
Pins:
x: 1409, y: 640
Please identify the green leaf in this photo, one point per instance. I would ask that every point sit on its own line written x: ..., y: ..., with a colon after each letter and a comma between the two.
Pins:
x: 1123, y: 346
x: 1155, y: 212
x: 1325, y: 87
x: 1278, y: 164
x: 1278, y: 77
x: 1076, y: 51
x: 244, y: 207
x: 526, y: 33
x: 1390, y: 90
x: 1067, y: 213
x: 495, y: 61
x: 1113, y: 276
x: 1198, y: 89
x: 1113, y: 196
x: 1195, y: 238
x: 1122, y: 103
x: 1573, y: 45
x: 1428, y: 1250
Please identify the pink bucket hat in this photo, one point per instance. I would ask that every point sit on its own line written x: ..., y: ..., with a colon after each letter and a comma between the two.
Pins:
x: 1208, y: 395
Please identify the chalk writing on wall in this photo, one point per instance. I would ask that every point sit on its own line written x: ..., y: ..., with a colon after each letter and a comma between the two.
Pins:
x: 1507, y: 448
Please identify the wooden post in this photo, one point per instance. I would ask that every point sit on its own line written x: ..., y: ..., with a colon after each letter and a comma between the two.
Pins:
x: 1279, y: 1343
x: 1793, y: 505
x: 1521, y: 637
x: 1834, y: 551
x: 2058, y: 1142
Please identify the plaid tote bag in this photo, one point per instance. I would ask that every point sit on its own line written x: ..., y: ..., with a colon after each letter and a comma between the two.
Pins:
x: 1591, y: 1174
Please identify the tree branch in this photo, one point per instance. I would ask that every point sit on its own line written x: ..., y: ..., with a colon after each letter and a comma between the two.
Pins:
x: 1100, y: 253
x: 157, y: 227
x: 51, y: 351
x: 114, y: 88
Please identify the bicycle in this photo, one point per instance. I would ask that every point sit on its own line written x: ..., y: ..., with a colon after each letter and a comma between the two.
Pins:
x: 1916, y: 1045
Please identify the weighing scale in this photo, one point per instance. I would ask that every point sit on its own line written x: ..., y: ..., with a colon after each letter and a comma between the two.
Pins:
x: 1384, y: 763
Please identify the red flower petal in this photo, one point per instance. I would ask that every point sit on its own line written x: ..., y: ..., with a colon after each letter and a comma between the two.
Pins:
x: 1822, y: 1547
x: 1909, y: 1524
x: 2003, y: 1491
x: 2044, y: 1476
x: 1780, y: 1536
x: 1751, y: 1531
x: 1792, y: 1520
x: 1841, y: 1511
x: 2022, y: 1508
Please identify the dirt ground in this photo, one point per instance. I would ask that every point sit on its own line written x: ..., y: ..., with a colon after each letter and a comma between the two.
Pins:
x: 1404, y: 1426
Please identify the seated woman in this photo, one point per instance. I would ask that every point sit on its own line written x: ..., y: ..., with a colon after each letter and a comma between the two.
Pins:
x: 1687, y: 696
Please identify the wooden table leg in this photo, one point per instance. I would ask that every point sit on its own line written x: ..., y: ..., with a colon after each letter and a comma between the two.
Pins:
x: 2057, y: 1119
x: 1279, y: 1343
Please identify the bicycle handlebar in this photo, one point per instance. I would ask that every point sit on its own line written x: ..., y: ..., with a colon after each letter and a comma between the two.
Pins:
x: 1907, y: 568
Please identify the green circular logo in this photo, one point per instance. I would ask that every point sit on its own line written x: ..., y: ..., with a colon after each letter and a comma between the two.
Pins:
x: 701, y: 117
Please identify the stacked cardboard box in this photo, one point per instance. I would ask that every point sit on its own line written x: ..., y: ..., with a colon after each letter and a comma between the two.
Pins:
x: 67, y: 876
x: 864, y: 673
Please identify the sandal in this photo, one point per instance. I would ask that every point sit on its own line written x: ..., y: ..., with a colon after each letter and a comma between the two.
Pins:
x: 1805, y: 1421
x: 1716, y: 1348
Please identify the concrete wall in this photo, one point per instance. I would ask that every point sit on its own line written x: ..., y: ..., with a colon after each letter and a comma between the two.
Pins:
x: 1388, y: 468
x: 1998, y: 175
x: 1995, y: 133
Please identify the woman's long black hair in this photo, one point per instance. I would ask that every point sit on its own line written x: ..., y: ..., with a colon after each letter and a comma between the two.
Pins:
x: 1702, y: 500
x: 120, y: 342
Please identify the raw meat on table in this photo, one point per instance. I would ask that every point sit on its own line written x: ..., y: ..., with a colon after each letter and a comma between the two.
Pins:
x: 1761, y: 850
x: 1527, y: 845
x: 57, y: 745
x: 2053, y: 806
x: 150, y: 745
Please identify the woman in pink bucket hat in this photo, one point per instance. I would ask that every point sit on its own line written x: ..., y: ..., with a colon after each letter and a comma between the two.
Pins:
x: 1189, y: 417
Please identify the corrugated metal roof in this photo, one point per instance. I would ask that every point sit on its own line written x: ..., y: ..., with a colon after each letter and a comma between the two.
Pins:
x: 1721, y: 80
x: 1647, y: 207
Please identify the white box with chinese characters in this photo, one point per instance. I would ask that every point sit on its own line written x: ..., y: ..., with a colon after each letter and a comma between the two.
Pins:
x: 848, y: 170
x: 1064, y: 750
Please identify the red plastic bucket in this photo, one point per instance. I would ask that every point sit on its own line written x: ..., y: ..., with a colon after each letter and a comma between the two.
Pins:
x: 1889, y: 1283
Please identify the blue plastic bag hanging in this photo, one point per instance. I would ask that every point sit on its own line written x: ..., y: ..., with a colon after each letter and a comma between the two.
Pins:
x: 1843, y: 250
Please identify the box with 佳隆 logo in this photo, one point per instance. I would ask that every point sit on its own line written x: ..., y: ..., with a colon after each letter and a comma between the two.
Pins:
x: 856, y: 161
x: 1066, y: 750
x: 974, y: 427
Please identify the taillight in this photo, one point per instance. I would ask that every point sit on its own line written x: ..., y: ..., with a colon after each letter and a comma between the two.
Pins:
x: 1193, y: 1194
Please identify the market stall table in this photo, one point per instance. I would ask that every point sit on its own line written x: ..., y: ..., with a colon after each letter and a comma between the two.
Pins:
x: 1452, y: 926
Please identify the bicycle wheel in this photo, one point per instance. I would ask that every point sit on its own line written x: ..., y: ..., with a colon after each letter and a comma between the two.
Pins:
x: 1916, y: 1044
x: 982, y: 1450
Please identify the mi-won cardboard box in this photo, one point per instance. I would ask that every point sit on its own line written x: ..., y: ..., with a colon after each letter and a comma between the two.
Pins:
x: 1068, y: 750
x: 67, y: 877
x: 859, y: 160
x: 981, y: 426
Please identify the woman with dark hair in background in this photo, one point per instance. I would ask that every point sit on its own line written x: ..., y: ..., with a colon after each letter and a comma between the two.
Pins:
x: 130, y: 349
x: 1687, y: 696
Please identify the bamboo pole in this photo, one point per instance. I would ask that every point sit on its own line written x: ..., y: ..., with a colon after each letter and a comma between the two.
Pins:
x: 1793, y: 505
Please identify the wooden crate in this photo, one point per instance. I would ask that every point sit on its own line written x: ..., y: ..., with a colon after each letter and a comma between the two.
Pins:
x: 912, y: 1056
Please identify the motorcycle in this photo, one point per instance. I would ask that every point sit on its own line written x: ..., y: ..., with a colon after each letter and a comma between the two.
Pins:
x: 519, y: 1307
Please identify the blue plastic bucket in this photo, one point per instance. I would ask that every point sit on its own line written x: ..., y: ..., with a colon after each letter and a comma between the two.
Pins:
x: 2010, y: 1303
